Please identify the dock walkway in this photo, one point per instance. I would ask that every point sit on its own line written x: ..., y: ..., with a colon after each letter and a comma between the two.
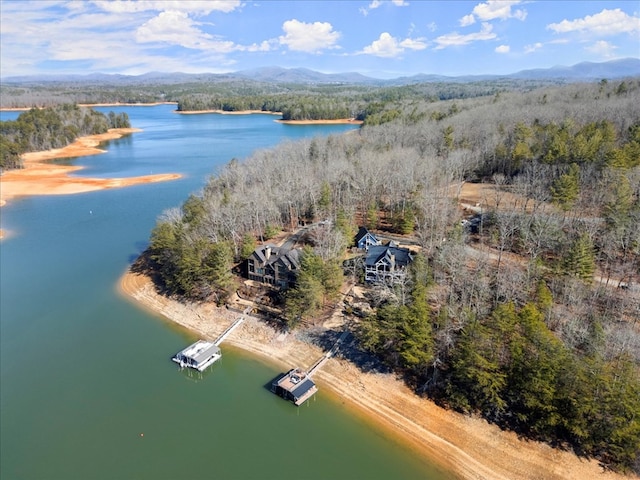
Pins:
x: 316, y: 366
x: 203, y: 353
x: 231, y: 327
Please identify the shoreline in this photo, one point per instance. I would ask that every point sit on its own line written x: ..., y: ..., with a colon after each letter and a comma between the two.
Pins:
x: 115, y: 104
x: 226, y: 112
x: 338, y: 121
x: 38, y: 177
x: 466, y: 446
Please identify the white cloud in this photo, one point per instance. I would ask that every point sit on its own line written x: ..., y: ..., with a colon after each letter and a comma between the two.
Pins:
x: 264, y: 46
x: 492, y: 10
x: 309, y: 37
x: 605, y: 23
x: 603, y: 48
x: 455, y: 39
x: 533, y: 47
x: 190, y: 6
x: 377, y: 3
x: 467, y: 20
x: 177, y: 28
x: 498, y: 9
x: 503, y: 49
x: 413, y: 43
x: 388, y: 46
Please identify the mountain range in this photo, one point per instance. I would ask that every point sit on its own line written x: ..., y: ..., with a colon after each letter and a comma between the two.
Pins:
x: 585, y: 71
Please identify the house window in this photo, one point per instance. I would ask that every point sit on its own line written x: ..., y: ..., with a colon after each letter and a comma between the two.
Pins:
x: 252, y: 267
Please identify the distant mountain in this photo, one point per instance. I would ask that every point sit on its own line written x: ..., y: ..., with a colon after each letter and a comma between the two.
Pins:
x: 303, y: 75
x: 626, y: 67
x: 588, y: 71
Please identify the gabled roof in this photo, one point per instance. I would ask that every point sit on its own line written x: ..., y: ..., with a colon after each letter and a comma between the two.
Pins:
x: 399, y: 257
x: 270, y: 255
x: 200, y: 351
x: 363, y: 232
x: 290, y: 259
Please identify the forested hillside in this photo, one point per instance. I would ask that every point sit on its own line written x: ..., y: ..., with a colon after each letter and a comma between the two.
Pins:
x: 309, y: 101
x: 531, y: 318
x: 53, y: 127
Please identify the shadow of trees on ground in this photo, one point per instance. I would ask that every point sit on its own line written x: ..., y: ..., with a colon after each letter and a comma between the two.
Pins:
x: 349, y: 349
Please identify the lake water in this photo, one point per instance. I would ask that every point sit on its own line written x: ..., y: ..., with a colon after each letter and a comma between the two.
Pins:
x: 88, y: 390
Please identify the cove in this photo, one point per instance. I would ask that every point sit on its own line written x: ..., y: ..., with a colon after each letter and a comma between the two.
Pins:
x: 88, y: 390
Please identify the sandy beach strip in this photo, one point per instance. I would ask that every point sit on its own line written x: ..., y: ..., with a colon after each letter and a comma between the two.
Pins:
x: 337, y: 121
x: 467, y: 446
x: 122, y: 104
x: 227, y: 112
x: 41, y: 178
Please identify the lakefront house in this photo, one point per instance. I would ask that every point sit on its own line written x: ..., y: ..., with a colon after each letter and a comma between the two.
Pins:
x: 364, y: 239
x: 274, y: 265
x: 386, y: 264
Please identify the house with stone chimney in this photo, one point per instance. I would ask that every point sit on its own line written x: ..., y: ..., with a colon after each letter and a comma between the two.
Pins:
x: 274, y: 265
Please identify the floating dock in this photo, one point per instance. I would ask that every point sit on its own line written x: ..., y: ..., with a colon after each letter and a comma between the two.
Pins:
x: 203, y: 353
x: 199, y: 355
x: 295, y: 385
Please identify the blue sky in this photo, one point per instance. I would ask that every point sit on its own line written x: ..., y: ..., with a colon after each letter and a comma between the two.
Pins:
x: 378, y: 38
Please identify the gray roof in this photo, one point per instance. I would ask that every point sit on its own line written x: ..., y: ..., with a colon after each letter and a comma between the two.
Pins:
x: 270, y: 254
x: 363, y: 232
x: 399, y: 257
x: 303, y: 388
x: 199, y: 352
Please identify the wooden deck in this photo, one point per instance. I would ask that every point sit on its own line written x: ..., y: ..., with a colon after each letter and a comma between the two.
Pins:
x: 295, y: 385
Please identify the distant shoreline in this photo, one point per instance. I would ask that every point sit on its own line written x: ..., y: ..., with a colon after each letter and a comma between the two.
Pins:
x: 351, y: 121
x: 338, y: 121
x: 116, y: 104
x: 226, y: 112
x: 38, y: 177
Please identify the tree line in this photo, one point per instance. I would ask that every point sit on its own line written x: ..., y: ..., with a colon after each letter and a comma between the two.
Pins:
x: 52, y: 127
x: 528, y: 319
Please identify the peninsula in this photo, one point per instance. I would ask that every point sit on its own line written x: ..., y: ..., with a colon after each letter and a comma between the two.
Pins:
x: 41, y: 178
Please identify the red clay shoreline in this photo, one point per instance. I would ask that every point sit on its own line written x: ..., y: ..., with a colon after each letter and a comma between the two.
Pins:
x: 466, y: 446
x: 38, y: 177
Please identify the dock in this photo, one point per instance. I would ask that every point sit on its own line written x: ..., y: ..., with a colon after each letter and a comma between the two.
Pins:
x: 202, y: 354
x: 297, y: 385
x: 199, y: 355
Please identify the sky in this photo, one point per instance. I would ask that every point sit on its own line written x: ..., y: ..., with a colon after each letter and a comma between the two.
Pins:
x: 377, y: 38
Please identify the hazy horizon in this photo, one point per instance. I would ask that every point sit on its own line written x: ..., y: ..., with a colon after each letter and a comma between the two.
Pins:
x: 379, y: 39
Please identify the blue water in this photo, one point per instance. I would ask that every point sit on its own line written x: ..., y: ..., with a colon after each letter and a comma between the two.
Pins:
x: 84, y: 372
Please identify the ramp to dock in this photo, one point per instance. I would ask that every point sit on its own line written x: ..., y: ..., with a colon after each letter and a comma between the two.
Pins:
x: 316, y: 366
x: 231, y: 327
